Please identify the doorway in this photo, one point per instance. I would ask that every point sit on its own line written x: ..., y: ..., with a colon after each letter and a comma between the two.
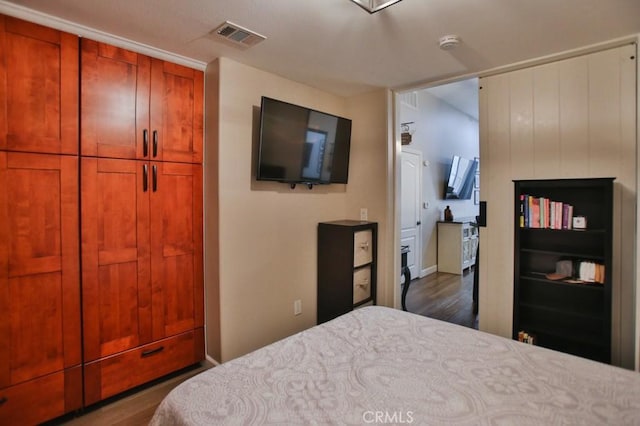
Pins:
x: 443, y: 125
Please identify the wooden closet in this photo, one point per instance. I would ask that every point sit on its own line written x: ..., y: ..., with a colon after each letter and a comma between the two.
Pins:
x: 125, y: 158
x: 40, y: 346
x: 141, y: 192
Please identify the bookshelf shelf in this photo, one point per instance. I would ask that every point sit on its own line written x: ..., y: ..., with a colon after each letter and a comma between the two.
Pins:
x: 529, y: 277
x: 565, y: 316
x: 578, y: 254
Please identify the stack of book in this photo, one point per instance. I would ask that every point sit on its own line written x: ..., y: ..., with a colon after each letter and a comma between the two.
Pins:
x: 541, y: 212
x: 526, y: 338
x: 590, y: 272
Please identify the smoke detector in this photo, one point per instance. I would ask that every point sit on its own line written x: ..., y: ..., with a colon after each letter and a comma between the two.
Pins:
x: 448, y: 42
x: 237, y: 35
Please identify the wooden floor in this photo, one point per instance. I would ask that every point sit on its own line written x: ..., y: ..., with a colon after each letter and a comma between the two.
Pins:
x: 443, y: 296
x: 439, y: 295
x: 132, y: 409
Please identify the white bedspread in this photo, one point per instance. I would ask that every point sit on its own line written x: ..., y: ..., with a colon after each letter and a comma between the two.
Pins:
x: 378, y: 365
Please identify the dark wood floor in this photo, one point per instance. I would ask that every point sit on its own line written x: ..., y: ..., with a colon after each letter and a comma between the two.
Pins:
x: 443, y: 296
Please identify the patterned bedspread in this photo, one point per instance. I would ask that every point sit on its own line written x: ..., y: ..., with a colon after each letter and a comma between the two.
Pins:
x: 378, y: 365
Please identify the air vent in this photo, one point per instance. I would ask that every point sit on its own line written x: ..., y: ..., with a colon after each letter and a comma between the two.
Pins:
x: 237, y: 35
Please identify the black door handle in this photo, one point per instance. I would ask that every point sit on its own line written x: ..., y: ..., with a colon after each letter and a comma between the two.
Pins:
x: 155, y: 143
x: 145, y: 142
x: 418, y: 223
x: 155, y: 178
x: 145, y: 177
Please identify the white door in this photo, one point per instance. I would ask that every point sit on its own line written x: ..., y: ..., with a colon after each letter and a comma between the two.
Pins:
x: 410, y: 203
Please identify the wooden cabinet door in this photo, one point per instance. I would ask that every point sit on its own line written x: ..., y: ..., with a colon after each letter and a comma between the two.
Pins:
x: 116, y: 288
x: 176, y: 248
x: 38, y: 88
x: 176, y: 112
x: 115, y: 102
x: 39, y: 266
x: 135, y: 107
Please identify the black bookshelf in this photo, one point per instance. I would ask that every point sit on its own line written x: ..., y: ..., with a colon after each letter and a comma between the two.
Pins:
x: 568, y: 315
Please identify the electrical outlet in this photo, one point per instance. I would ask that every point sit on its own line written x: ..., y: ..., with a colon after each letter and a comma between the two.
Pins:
x: 297, y: 307
x: 364, y: 214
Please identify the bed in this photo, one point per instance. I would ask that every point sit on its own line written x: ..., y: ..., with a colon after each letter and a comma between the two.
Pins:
x: 380, y: 365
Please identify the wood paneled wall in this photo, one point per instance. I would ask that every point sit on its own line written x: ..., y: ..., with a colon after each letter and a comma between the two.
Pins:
x: 572, y: 118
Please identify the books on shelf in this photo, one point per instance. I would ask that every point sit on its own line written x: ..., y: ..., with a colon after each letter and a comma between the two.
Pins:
x: 525, y: 337
x: 582, y: 272
x: 542, y: 212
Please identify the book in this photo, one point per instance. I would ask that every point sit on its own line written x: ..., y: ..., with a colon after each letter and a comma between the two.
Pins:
x: 535, y: 212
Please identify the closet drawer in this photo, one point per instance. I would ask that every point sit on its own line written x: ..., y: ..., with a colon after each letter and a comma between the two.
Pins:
x: 361, y: 284
x: 362, y: 247
x: 118, y: 373
x: 41, y: 399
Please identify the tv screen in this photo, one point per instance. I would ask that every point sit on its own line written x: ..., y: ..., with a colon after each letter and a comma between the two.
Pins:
x: 301, y: 145
x: 459, y: 181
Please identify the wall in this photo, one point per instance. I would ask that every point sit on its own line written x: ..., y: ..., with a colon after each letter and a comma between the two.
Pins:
x: 267, y: 231
x: 441, y: 131
x: 370, y: 180
x: 567, y: 119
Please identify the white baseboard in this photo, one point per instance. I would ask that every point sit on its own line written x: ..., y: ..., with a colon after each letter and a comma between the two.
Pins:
x: 428, y: 271
x: 211, y: 360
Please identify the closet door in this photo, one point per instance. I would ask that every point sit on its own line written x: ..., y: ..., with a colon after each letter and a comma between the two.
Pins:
x: 40, y: 350
x: 115, y: 255
x: 38, y: 88
x: 115, y: 102
x: 176, y: 112
x: 176, y: 248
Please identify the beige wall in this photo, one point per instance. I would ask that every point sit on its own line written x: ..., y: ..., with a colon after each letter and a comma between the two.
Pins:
x: 370, y: 180
x: 571, y: 118
x: 267, y: 231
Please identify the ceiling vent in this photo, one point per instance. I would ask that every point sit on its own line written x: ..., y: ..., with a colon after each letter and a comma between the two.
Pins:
x: 237, y: 35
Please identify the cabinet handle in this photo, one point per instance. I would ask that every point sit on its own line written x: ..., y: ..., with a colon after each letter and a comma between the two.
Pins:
x: 364, y: 246
x: 3, y: 400
x: 145, y: 177
x: 151, y: 352
x: 155, y: 178
x: 155, y: 143
x: 145, y: 142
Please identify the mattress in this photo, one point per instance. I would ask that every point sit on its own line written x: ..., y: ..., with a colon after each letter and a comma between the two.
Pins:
x: 381, y: 365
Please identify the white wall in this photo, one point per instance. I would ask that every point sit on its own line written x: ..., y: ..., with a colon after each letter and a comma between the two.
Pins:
x: 266, y: 233
x: 566, y: 119
x: 441, y: 131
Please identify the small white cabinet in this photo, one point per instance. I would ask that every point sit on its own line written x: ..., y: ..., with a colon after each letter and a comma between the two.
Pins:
x: 457, y: 246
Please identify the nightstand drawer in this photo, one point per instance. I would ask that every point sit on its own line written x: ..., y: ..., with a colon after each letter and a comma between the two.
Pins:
x: 361, y: 284
x: 362, y: 247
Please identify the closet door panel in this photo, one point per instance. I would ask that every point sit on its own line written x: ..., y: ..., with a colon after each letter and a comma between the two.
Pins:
x: 115, y: 253
x: 176, y: 239
x: 39, y: 277
x: 115, y: 102
x: 177, y: 112
x: 38, y: 88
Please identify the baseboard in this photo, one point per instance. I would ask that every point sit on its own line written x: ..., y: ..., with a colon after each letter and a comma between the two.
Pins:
x: 428, y: 271
x: 211, y: 360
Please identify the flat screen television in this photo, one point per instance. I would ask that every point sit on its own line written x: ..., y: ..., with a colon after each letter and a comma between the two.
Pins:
x: 459, y: 181
x: 302, y: 145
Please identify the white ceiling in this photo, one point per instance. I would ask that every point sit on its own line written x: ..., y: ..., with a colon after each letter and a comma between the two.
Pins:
x: 336, y: 46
